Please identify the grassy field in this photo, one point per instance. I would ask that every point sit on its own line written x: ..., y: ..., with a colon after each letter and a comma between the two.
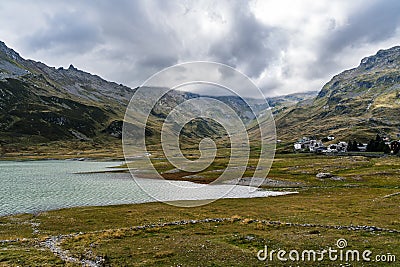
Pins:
x: 96, y: 149
x: 314, y: 219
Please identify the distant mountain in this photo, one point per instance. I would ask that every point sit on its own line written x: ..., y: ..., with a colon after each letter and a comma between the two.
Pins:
x: 41, y: 104
x: 357, y: 103
x: 282, y: 103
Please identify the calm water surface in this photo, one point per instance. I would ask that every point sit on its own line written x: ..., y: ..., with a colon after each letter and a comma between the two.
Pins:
x: 33, y: 186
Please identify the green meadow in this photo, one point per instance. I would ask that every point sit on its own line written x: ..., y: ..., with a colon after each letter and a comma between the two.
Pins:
x: 323, y: 211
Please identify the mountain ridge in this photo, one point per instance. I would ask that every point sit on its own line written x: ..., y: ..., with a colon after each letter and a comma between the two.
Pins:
x: 356, y: 103
x: 41, y: 105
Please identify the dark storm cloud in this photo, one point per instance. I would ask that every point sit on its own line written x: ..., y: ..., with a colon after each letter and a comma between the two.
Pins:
x: 130, y: 37
x: 370, y: 24
x: 375, y: 23
x: 142, y: 41
x: 157, y: 62
x: 65, y: 31
x: 284, y: 46
x: 249, y: 44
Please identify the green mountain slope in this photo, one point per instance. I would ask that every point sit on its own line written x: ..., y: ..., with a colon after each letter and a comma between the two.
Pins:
x: 39, y: 104
x: 357, y: 103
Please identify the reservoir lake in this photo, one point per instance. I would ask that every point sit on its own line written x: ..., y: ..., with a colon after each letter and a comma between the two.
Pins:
x: 35, y: 186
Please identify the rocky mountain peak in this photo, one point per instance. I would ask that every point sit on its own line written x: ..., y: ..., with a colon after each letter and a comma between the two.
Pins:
x: 373, y: 71
x: 388, y: 58
x: 4, y: 49
x: 359, y: 102
x: 72, y: 67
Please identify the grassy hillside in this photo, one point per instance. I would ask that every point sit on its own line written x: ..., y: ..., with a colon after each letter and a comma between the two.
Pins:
x: 356, y: 104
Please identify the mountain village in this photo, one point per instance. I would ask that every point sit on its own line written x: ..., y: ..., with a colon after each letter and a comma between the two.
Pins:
x: 313, y: 145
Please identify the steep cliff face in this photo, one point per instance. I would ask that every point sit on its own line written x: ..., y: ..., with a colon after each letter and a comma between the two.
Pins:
x: 359, y: 102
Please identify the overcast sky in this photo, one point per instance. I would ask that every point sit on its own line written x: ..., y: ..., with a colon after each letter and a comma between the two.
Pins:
x: 284, y: 46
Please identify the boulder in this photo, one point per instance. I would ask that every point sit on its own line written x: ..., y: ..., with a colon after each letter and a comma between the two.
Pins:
x: 324, y: 175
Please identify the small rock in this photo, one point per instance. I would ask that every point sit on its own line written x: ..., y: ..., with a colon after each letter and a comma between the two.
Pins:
x: 249, y: 238
x: 324, y: 175
x: 337, y: 178
x: 173, y: 171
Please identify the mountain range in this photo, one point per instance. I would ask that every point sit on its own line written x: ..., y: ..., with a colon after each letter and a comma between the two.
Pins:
x: 47, y: 106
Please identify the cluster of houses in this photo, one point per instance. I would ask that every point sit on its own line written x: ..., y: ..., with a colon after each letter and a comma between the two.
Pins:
x: 307, y: 144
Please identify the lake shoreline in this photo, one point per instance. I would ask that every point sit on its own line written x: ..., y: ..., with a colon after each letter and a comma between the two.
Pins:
x: 35, y: 186
x: 171, y: 203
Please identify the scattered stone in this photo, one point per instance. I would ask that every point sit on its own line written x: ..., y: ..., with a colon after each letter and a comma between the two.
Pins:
x: 324, y: 175
x: 249, y: 238
x: 193, y: 176
x: 256, y: 181
x: 173, y: 171
x: 392, y: 195
x: 53, y: 243
x: 357, y: 178
x: 337, y: 178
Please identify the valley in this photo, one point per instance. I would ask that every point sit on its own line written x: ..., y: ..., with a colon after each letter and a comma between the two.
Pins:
x: 49, y: 113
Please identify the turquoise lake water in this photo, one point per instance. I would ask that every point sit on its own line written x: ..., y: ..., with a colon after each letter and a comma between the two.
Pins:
x: 34, y: 186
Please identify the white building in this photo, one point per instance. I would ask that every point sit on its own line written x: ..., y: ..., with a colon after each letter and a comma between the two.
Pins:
x: 362, y: 147
x: 306, y: 144
x: 339, y: 147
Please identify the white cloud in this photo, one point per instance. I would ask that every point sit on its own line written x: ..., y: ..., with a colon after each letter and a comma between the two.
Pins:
x: 284, y: 46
